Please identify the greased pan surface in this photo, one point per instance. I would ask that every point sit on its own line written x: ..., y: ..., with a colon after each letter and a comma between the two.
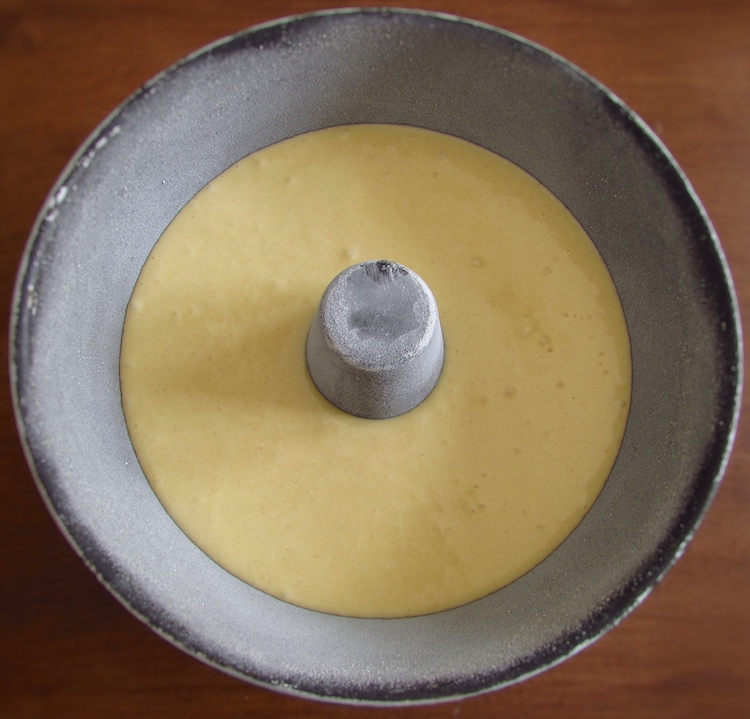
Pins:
x: 189, y: 124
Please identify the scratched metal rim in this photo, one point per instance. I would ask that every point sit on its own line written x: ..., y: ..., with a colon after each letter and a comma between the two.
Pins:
x: 448, y: 74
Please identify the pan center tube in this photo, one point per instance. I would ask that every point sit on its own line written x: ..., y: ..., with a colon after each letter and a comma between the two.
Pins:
x: 375, y: 347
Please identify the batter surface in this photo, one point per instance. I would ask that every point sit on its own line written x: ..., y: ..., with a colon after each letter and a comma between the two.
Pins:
x: 383, y: 518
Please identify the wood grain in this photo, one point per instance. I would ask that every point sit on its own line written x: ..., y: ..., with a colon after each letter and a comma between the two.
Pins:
x: 70, y: 650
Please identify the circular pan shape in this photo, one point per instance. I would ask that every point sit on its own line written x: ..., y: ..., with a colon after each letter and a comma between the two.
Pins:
x: 272, y: 82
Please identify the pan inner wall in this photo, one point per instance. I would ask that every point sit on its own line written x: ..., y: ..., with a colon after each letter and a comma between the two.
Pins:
x: 198, y: 119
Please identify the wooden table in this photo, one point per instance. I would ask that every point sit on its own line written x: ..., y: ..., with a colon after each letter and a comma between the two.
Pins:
x: 70, y: 650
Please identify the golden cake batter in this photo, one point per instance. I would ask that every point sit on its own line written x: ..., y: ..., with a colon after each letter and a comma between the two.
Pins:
x: 383, y: 518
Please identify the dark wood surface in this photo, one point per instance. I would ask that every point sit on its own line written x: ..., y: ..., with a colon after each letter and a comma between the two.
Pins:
x: 69, y: 649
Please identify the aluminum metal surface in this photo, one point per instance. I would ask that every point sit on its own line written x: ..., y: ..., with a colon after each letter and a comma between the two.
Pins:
x: 192, y: 122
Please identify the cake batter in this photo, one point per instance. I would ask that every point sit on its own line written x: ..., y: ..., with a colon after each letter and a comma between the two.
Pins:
x: 376, y: 518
